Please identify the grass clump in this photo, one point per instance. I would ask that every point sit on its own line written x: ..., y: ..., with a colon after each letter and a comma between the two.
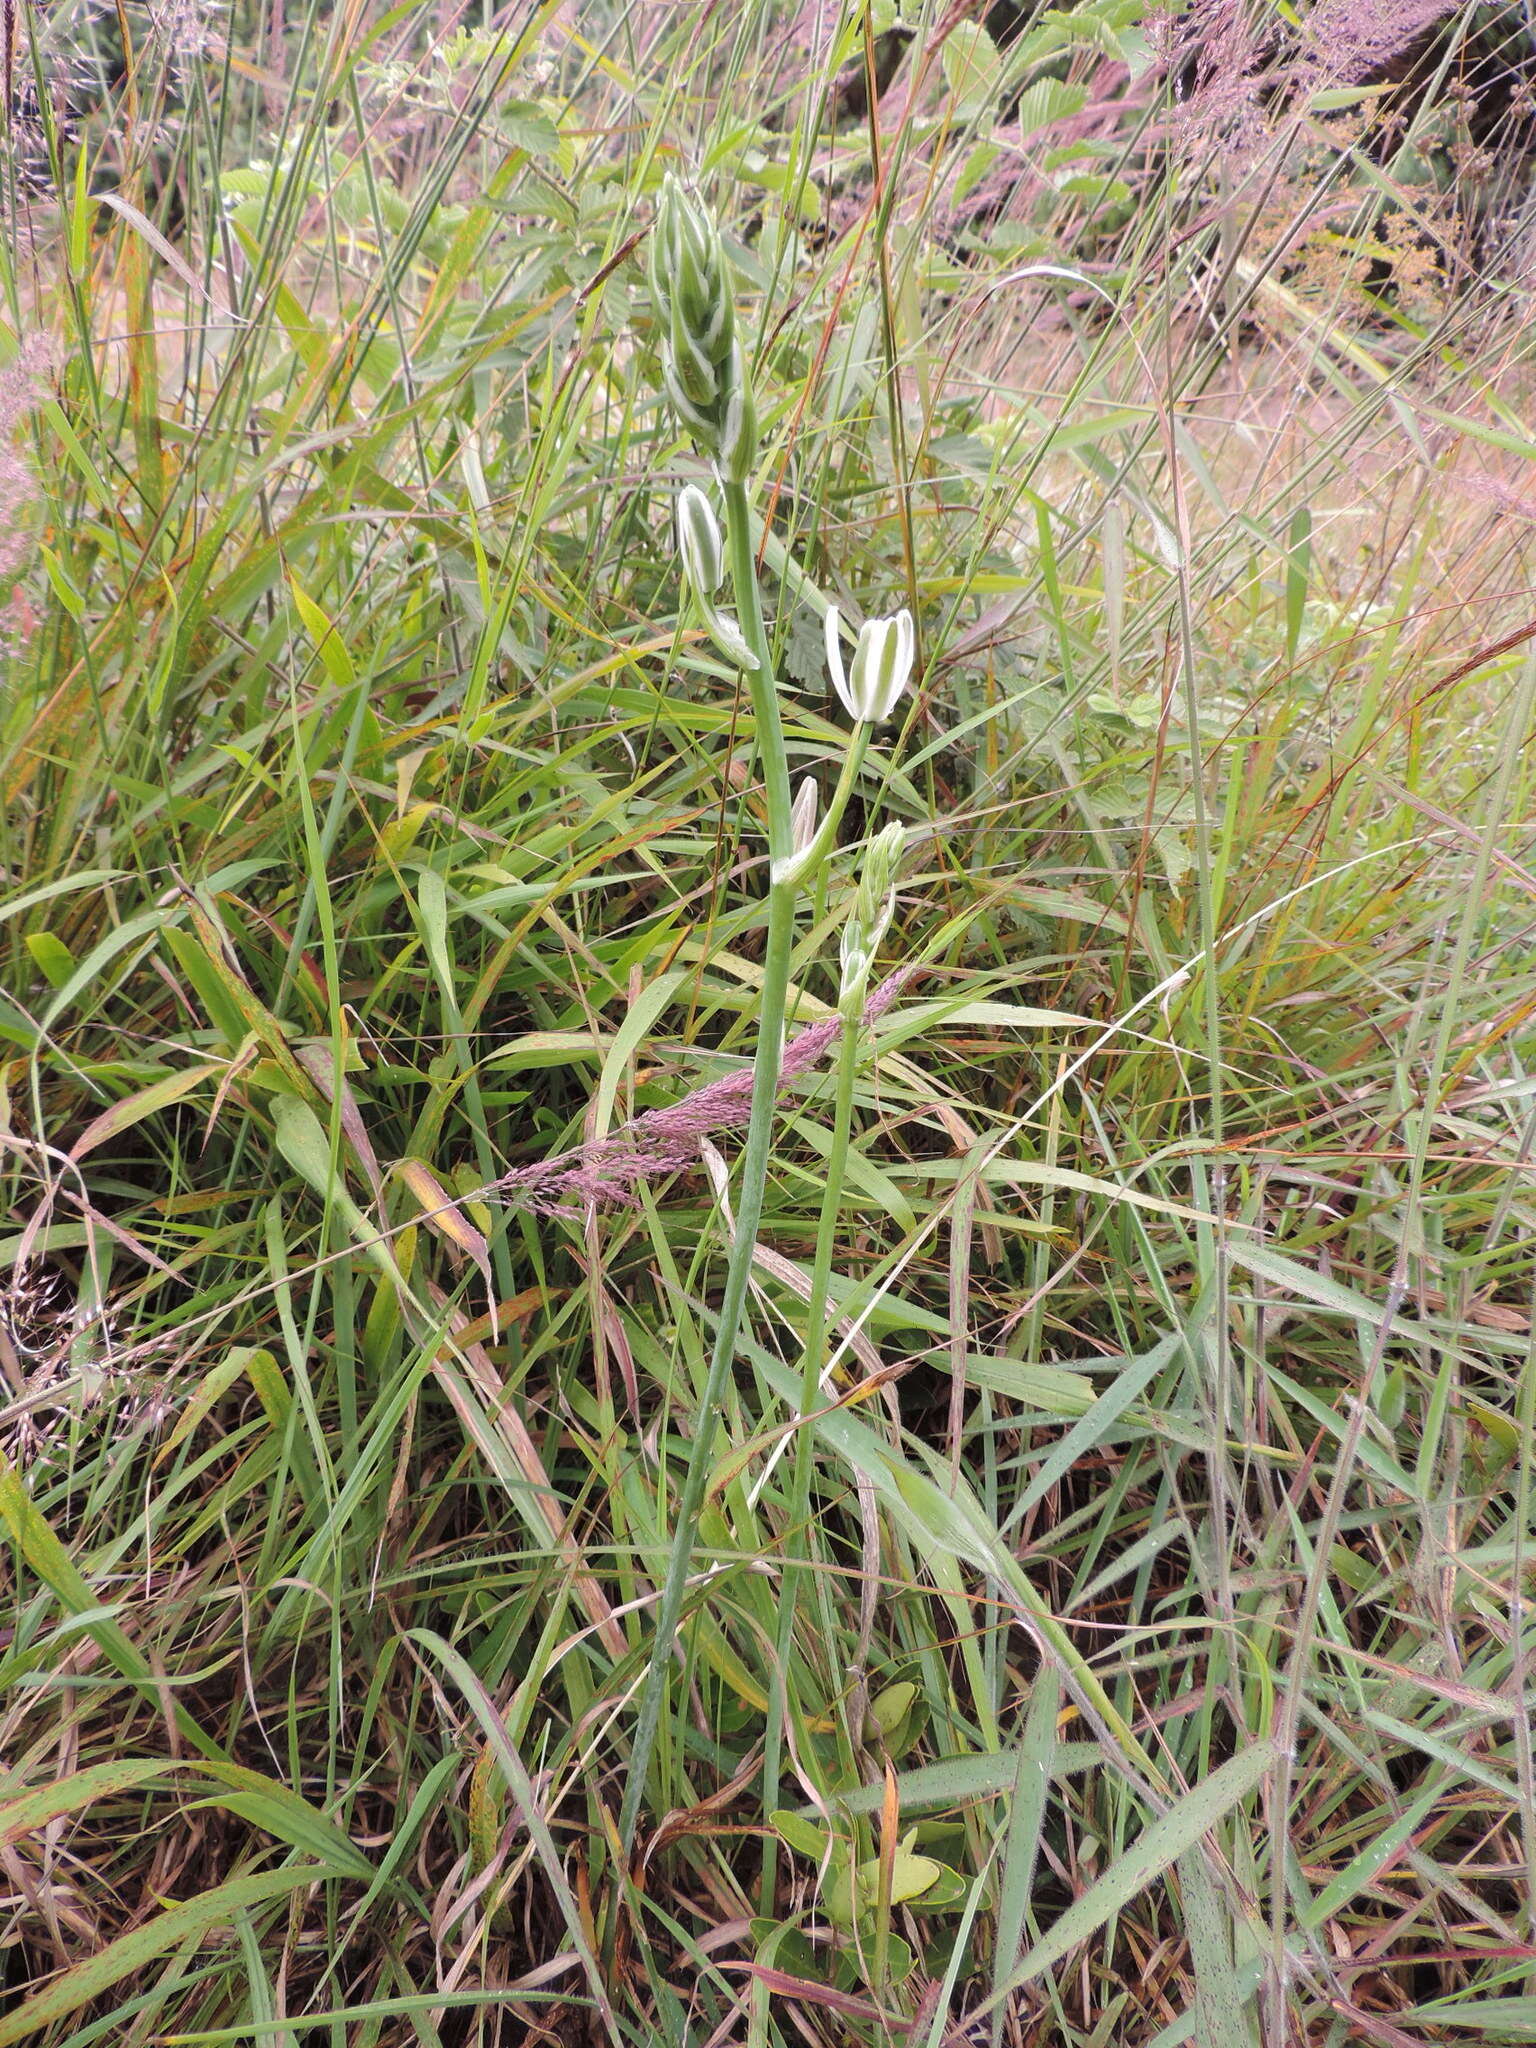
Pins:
x: 1082, y: 1597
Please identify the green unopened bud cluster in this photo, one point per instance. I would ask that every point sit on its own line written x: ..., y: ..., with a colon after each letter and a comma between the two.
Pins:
x: 702, y: 362
x: 867, y: 921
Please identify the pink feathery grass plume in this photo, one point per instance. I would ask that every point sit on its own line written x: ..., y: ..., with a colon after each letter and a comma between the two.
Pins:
x: 1493, y: 490
x: 1224, y: 44
x: 1351, y: 39
x: 666, y: 1140
x: 20, y: 391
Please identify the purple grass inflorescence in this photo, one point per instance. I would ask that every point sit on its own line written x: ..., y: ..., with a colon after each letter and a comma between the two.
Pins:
x: 666, y: 1140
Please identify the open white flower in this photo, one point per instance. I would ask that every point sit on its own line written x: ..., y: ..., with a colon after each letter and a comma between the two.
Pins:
x: 882, y: 664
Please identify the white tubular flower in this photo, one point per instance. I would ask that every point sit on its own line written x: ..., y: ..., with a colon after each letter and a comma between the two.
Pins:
x: 882, y: 664
x: 700, y: 541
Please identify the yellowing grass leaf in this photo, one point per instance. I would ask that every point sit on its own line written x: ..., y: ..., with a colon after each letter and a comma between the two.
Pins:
x: 442, y: 1213
x: 132, y: 1952
x: 133, y: 1109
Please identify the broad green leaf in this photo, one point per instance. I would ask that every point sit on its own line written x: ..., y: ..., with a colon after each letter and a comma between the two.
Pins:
x: 805, y: 1837
x: 963, y: 1780
x: 1219, y: 1999
x: 53, y: 958
x: 627, y: 1040
x: 1296, y: 1279
x: 301, y: 1139
x: 1046, y: 101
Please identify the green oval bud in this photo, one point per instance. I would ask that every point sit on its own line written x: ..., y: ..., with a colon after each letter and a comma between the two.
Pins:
x: 690, y: 367
x: 735, y: 450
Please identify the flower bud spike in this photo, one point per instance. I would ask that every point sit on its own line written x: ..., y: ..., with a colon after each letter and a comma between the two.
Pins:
x: 702, y: 364
x: 873, y: 907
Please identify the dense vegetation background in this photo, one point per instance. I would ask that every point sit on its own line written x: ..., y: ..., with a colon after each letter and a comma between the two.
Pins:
x: 379, y: 821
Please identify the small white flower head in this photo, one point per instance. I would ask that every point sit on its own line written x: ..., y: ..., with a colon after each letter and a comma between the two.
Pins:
x: 699, y: 541
x: 882, y: 664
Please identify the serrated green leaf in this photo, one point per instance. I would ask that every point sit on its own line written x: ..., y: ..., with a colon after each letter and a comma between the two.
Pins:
x: 972, y: 67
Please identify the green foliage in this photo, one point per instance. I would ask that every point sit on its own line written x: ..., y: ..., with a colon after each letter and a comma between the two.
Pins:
x: 1105, y: 1616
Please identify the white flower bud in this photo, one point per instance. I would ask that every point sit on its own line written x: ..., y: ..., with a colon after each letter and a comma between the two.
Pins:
x: 856, y: 957
x: 882, y: 664
x: 702, y: 547
x: 700, y: 541
x: 802, y: 818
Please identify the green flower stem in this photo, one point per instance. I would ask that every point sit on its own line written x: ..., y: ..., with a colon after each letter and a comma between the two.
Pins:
x: 754, y: 1178
x: 821, y: 1280
x: 795, y: 1541
x: 800, y: 867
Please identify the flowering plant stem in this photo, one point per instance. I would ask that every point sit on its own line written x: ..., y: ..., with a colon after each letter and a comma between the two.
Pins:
x: 749, y: 1207
x: 795, y: 1544
x: 805, y: 864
